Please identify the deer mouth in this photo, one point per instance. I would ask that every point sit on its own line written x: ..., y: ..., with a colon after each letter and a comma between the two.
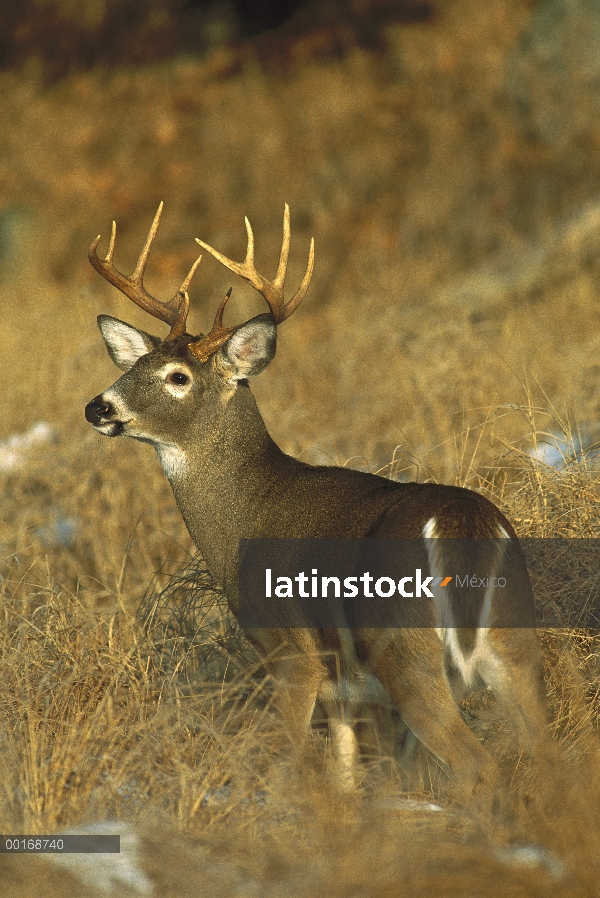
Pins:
x: 110, y: 428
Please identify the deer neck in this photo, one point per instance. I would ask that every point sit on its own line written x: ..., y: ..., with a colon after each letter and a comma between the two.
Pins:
x: 221, y: 477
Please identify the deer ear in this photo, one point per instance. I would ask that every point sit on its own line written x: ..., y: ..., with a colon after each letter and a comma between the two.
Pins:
x: 250, y: 349
x: 125, y: 344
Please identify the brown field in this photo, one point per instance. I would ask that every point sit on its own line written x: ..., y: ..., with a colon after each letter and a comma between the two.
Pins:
x: 452, y: 325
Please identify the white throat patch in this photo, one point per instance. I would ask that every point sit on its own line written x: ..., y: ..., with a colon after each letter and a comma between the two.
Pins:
x: 172, y: 459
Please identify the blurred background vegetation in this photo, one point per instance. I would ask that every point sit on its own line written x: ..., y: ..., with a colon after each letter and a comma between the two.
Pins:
x: 62, y: 36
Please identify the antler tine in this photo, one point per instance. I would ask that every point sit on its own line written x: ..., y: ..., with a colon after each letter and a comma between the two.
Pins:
x: 188, y: 278
x: 173, y: 312
x: 111, y: 242
x: 272, y: 291
x: 178, y: 329
x: 300, y: 293
x: 285, y: 251
x: 219, y: 316
x: 203, y: 348
x: 138, y: 272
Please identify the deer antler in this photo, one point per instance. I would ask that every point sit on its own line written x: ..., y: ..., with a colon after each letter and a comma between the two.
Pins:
x: 203, y: 349
x: 272, y: 291
x: 175, y: 311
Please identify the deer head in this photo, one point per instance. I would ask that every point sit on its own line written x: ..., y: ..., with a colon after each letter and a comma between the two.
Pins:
x: 162, y: 397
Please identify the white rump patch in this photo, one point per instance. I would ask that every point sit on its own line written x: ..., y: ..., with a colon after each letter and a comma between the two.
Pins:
x: 480, y: 657
x: 429, y: 530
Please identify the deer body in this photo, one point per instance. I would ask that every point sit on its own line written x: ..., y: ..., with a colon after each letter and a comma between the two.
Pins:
x: 189, y: 397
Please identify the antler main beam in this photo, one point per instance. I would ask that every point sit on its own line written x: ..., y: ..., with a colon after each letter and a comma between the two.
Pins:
x: 175, y: 311
x: 272, y: 291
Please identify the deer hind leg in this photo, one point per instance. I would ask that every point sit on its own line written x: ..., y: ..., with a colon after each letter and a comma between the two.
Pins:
x: 486, y: 628
x: 411, y: 667
x: 512, y: 665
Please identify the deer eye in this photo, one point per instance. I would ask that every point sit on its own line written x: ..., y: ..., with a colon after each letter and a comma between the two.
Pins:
x: 178, y: 378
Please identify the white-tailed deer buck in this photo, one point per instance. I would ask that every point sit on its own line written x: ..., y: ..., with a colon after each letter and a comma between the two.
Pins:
x: 189, y: 397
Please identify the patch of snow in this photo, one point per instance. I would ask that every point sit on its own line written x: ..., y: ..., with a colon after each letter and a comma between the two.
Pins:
x: 108, y: 873
x: 14, y: 449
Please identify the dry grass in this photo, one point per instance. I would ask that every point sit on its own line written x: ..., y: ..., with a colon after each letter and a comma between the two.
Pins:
x: 452, y: 329
x: 171, y: 728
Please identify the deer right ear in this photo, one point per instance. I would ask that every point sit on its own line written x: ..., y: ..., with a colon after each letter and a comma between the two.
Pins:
x: 125, y: 344
x: 250, y: 349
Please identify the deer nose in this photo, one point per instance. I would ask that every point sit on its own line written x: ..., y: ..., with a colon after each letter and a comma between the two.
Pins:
x: 98, y: 410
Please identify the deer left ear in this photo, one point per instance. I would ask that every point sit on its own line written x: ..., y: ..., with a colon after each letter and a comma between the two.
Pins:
x: 125, y: 343
x: 250, y: 349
